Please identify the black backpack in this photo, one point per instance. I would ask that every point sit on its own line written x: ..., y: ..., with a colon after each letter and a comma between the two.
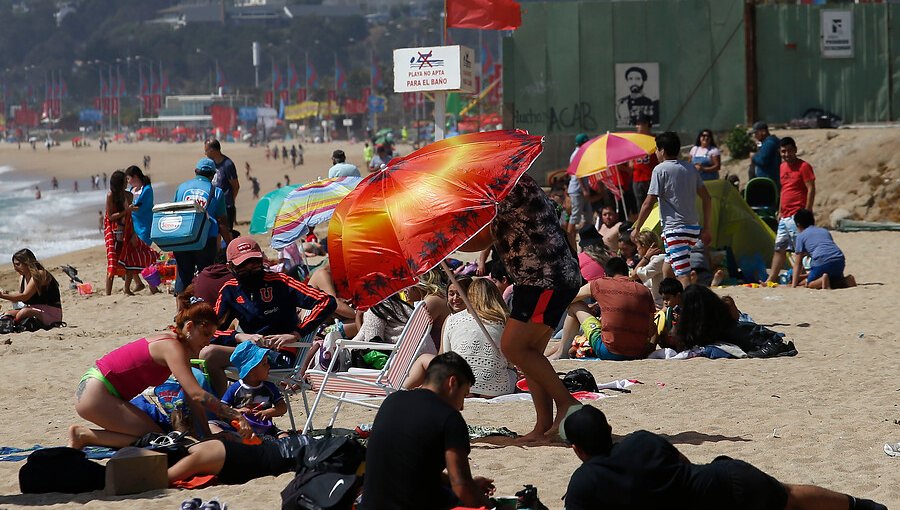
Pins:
x: 326, y: 475
x: 61, y: 469
x: 579, y: 380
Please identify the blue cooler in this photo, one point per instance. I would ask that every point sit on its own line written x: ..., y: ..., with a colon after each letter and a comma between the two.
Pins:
x: 180, y: 226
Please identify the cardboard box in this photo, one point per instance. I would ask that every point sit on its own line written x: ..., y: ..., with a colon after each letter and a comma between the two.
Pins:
x: 132, y: 470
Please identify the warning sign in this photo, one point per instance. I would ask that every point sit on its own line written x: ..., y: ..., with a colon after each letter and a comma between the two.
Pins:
x: 434, y: 68
x: 837, y: 34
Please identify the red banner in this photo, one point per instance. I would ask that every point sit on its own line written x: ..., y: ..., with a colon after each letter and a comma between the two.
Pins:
x: 355, y: 106
x: 268, y: 99
x: 484, y: 14
x: 286, y: 96
x: 223, y: 117
x: 301, y: 94
x: 332, y: 96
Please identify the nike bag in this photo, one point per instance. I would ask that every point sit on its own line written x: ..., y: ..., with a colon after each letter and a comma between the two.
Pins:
x: 180, y: 226
x: 318, y: 490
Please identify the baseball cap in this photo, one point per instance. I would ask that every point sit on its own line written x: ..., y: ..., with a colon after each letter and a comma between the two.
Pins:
x: 246, y: 356
x: 205, y: 166
x: 759, y: 125
x: 581, y: 138
x: 241, y: 249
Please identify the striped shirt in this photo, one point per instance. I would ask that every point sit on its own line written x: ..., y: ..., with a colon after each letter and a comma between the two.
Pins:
x: 272, y: 309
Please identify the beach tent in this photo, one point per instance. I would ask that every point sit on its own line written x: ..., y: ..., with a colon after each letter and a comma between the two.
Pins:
x: 733, y: 224
x: 267, y: 208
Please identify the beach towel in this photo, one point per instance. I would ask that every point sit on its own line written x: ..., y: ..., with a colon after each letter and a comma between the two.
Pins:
x: 13, y: 454
x: 125, y: 256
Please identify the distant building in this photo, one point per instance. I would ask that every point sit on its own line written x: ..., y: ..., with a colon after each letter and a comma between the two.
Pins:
x: 247, y: 11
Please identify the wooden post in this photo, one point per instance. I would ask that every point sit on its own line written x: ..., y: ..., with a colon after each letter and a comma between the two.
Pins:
x: 752, y: 107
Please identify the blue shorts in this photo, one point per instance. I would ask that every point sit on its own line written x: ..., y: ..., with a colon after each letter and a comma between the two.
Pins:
x: 834, y: 269
x: 786, y: 237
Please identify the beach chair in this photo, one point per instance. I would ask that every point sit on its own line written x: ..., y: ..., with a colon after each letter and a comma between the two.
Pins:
x: 761, y: 194
x: 365, y: 385
x: 288, y: 380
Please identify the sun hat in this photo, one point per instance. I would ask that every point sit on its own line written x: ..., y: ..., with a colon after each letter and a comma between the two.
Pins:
x: 246, y: 356
x: 205, y: 166
x: 241, y: 249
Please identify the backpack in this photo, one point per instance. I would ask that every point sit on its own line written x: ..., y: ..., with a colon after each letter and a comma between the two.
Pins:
x: 61, y: 469
x: 579, y: 380
x: 326, y: 475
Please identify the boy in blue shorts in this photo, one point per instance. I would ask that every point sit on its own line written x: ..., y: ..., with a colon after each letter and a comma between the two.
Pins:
x: 827, y: 268
x: 676, y: 184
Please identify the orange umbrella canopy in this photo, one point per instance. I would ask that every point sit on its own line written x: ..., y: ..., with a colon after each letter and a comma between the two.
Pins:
x: 404, y: 220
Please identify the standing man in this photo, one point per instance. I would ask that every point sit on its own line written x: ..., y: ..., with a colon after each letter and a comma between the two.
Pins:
x: 226, y: 179
x: 765, y: 160
x: 419, y: 433
x: 579, y: 195
x: 798, y: 191
x: 642, y: 168
x: 340, y: 167
x: 676, y: 184
x: 201, y: 189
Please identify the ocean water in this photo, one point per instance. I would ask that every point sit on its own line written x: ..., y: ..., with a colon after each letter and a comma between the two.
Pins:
x: 61, y: 222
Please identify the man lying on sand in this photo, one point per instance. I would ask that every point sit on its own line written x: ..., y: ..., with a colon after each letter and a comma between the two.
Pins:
x: 643, y: 470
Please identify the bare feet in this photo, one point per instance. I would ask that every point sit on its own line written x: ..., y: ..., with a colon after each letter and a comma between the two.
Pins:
x: 535, y: 436
x: 826, y: 282
x: 140, y: 286
x: 718, y: 278
x: 850, y: 281
x: 77, y: 434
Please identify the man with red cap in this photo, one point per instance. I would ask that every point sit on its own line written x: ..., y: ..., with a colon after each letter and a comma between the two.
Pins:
x: 265, y: 305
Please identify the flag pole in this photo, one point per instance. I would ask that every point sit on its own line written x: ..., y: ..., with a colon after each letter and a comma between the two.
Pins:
x: 440, y: 97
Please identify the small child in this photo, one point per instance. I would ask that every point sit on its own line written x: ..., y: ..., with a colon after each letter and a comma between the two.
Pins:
x: 649, y: 267
x: 258, y: 399
x: 670, y: 290
x: 827, y: 268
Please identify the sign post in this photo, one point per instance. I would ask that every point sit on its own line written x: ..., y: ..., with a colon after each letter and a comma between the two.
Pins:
x: 347, y: 124
x: 437, y: 69
x: 837, y: 34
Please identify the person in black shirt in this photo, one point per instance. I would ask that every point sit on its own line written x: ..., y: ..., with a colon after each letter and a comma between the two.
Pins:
x: 415, y: 436
x: 646, y: 471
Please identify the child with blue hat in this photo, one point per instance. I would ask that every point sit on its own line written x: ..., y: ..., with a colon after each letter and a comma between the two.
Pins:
x: 258, y: 399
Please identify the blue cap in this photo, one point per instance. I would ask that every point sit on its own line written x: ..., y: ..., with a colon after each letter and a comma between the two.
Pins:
x: 205, y: 165
x: 581, y: 139
x: 246, y: 356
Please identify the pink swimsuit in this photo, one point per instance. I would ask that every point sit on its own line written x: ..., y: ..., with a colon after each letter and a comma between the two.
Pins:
x: 131, y: 369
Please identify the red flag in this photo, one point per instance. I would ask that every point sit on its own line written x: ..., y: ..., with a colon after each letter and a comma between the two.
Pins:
x: 484, y: 14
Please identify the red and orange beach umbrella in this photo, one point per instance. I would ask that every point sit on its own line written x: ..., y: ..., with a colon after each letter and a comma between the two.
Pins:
x: 404, y: 220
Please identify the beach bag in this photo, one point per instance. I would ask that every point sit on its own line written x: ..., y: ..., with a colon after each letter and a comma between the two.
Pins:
x: 326, y: 475
x: 579, y: 380
x: 61, y: 469
x: 180, y: 226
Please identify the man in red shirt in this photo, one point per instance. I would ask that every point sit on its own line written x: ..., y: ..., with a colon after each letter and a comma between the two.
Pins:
x: 626, y: 314
x: 642, y: 168
x: 798, y: 191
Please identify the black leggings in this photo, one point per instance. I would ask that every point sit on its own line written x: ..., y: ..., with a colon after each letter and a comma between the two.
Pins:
x: 245, y: 462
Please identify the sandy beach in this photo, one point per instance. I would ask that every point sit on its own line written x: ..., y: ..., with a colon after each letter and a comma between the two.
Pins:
x: 821, y: 417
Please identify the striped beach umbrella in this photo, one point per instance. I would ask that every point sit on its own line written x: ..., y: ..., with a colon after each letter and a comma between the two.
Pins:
x: 308, y: 206
x: 605, y: 151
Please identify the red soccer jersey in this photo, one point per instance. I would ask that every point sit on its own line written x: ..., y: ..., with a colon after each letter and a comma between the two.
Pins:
x: 794, y: 177
x: 643, y: 167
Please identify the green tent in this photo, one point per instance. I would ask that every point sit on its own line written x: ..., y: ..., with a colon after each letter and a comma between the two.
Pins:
x: 733, y: 224
x: 267, y: 208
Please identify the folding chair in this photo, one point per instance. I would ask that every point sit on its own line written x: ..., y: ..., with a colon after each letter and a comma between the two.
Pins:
x: 288, y: 380
x: 371, y: 384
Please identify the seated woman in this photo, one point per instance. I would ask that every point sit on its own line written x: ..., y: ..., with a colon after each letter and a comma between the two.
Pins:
x: 104, y: 392
x: 494, y: 375
x: 38, y: 289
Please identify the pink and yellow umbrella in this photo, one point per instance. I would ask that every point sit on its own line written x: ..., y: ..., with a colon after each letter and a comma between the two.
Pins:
x: 404, y: 220
x: 609, y: 150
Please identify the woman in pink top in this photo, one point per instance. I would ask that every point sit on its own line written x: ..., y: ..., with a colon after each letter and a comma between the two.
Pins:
x: 104, y: 392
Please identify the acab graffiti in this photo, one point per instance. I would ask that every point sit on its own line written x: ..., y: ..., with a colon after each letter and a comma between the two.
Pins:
x: 578, y: 117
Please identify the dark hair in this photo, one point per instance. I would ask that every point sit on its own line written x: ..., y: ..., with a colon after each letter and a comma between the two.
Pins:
x: 616, y: 266
x: 788, y: 141
x: 670, y: 286
x: 669, y: 143
x: 712, y: 139
x: 633, y: 69
x: 41, y: 276
x: 393, y: 310
x: 447, y: 364
x: 588, y: 429
x: 135, y: 171
x: 804, y: 218
x: 498, y: 271
x: 117, y: 189
x: 705, y: 318
x: 192, y: 309
x: 214, y: 144
x: 339, y: 156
